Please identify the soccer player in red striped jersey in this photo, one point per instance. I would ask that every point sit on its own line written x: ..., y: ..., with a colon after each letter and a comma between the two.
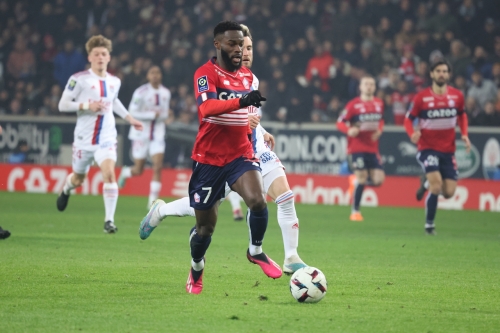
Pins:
x: 363, y: 123
x: 438, y: 109
x: 223, y: 153
x: 93, y: 95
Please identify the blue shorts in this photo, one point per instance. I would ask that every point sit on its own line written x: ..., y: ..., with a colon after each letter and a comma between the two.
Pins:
x: 445, y: 163
x: 208, y: 182
x: 364, y: 161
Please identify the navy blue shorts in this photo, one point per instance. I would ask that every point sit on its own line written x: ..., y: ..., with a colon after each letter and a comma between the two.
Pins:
x: 445, y: 163
x: 208, y: 182
x: 364, y: 161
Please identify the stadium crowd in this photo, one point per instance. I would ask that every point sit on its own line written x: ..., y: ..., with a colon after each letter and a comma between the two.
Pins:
x: 309, y: 55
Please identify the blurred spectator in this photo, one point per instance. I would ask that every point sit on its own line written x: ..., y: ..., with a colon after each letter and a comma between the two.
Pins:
x: 344, y: 25
x: 349, y: 53
x: 480, y: 62
x: 21, y: 153
x: 334, y: 108
x: 321, y: 66
x: 370, y: 61
x: 68, y: 62
x: 408, y: 62
x: 443, y: 20
x: 473, y: 111
x: 458, y: 57
x: 468, y: 19
x: 486, y: 37
x: 400, y: 101
x: 461, y: 84
x: 488, y: 117
x: 21, y: 62
x: 482, y: 90
x: 421, y: 80
x: 495, y: 72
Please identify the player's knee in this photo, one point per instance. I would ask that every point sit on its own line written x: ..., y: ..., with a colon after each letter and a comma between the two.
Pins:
x: 77, y: 181
x: 448, y: 195
x: 205, y: 231
x: 257, y: 203
x: 435, y: 187
x: 108, y: 176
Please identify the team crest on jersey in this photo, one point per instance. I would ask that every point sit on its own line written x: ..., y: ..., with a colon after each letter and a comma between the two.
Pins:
x: 226, y: 82
x: 202, y: 83
x: 245, y: 83
x: 451, y: 103
x: 71, y: 85
x: 196, y: 198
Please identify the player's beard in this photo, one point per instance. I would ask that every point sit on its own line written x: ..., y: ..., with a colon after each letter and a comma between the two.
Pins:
x: 440, y: 83
x: 228, y: 61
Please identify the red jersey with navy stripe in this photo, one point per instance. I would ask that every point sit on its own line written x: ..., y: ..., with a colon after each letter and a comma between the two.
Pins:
x: 437, y: 118
x: 221, y: 138
x: 94, y: 128
x: 368, y: 116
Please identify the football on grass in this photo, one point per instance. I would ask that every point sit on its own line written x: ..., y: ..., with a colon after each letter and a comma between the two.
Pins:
x: 308, y: 285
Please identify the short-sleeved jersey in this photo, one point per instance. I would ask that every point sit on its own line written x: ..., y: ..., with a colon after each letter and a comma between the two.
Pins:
x: 146, y: 103
x: 94, y: 128
x: 222, y: 138
x: 367, y: 115
x: 437, y: 118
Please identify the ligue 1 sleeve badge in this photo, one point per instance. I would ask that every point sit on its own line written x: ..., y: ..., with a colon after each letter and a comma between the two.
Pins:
x: 202, y: 84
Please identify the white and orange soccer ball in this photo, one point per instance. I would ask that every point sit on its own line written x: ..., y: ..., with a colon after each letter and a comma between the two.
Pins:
x: 308, y: 285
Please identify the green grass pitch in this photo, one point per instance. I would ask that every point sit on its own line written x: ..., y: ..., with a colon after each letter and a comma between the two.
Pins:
x: 60, y: 273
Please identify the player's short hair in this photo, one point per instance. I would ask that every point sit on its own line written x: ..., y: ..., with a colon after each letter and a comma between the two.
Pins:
x: 98, y: 41
x: 440, y: 62
x: 246, y: 31
x: 224, y: 26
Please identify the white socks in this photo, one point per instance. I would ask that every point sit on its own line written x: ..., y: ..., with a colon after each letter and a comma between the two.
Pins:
x: 110, y: 194
x: 289, y: 223
x: 68, y: 185
x: 154, y: 191
x: 180, y: 207
x: 235, y: 200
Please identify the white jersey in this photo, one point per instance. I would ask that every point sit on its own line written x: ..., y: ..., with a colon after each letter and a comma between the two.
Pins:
x: 93, y: 128
x: 258, y: 143
x: 148, y: 102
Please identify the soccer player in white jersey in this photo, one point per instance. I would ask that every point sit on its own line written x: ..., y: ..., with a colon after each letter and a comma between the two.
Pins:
x: 93, y: 95
x: 150, y: 104
x: 275, y: 184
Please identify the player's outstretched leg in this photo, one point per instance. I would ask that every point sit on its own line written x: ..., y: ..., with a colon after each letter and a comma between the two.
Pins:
x: 289, y: 224
x: 257, y: 223
x: 110, y: 196
x: 152, y: 219
x: 424, y: 185
x: 431, y: 202
x: 358, y: 193
x: 73, y: 180
x: 249, y: 186
x: 199, y: 246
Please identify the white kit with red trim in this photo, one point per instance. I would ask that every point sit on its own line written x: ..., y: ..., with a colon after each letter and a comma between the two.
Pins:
x: 94, y: 128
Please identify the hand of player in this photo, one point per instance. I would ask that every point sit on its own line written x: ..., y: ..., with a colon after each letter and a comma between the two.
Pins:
x: 253, y: 120
x: 415, y: 137
x: 134, y: 122
x: 467, y: 143
x: 269, y: 139
x: 353, y: 131
x: 376, y: 135
x: 252, y: 98
x: 96, y: 106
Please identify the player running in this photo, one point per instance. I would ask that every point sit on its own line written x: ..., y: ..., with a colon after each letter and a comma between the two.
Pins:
x: 222, y: 153
x: 438, y: 109
x: 274, y: 178
x: 93, y: 95
x: 150, y: 104
x: 362, y: 122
